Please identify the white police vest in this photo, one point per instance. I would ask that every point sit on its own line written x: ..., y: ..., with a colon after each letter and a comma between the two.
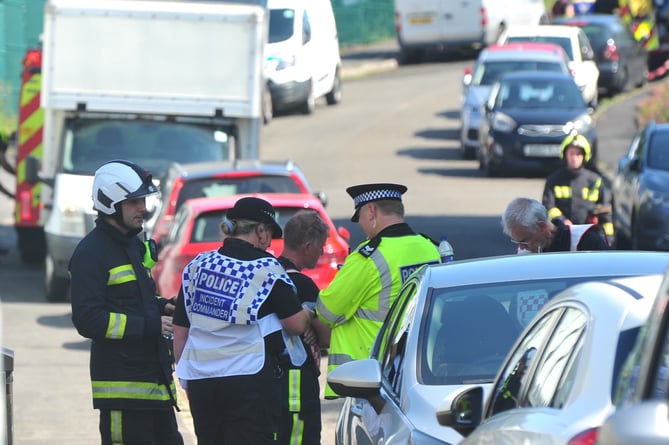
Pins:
x: 222, y: 296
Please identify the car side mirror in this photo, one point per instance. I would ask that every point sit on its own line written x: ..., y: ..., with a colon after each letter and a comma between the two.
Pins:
x: 467, y: 78
x: 464, y: 413
x: 635, y: 165
x: 322, y: 197
x: 359, y: 378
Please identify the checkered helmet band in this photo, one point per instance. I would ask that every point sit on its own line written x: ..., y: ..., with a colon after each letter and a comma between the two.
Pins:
x: 376, y: 195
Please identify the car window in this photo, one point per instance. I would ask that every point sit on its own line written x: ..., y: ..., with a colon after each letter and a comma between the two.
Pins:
x: 391, y: 348
x: 227, y: 186
x: 658, y: 152
x: 552, y: 379
x: 507, y: 391
x: 486, y: 73
x: 557, y: 93
x: 659, y: 378
x: 177, y: 229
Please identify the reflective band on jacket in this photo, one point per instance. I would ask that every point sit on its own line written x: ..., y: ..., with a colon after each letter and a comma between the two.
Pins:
x: 116, y: 325
x: 131, y: 390
x: 116, y: 426
x: 294, y: 385
x: 121, y: 274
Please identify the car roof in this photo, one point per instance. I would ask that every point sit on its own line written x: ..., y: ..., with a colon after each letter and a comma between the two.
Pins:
x: 603, y: 19
x: 303, y: 200
x: 509, y: 268
x: 539, y: 47
x: 543, y: 30
x: 518, y: 54
x: 205, y: 169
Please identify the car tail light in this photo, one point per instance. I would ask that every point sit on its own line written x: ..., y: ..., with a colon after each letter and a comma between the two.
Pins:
x: 611, y: 53
x: 587, y: 437
x: 398, y: 21
x: 484, y: 17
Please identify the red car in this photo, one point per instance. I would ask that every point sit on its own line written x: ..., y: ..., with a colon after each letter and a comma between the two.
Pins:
x: 196, y: 228
x: 212, y: 179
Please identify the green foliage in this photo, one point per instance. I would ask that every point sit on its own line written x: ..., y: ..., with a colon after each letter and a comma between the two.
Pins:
x: 655, y: 106
x: 364, y: 21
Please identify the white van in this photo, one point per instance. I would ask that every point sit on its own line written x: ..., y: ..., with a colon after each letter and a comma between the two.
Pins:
x: 440, y: 25
x: 303, y: 61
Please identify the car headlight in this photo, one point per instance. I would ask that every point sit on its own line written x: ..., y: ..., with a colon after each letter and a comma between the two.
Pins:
x: 285, y: 62
x: 503, y: 122
x: 581, y: 124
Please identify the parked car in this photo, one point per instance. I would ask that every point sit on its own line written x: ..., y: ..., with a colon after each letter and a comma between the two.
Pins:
x: 622, y: 61
x: 196, y: 229
x: 642, y: 394
x: 640, y: 191
x: 527, y: 115
x: 490, y: 64
x: 575, y: 43
x: 556, y: 385
x: 451, y: 327
x: 211, y: 179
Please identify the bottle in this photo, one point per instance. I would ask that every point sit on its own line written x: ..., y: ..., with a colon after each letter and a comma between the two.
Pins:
x: 445, y: 250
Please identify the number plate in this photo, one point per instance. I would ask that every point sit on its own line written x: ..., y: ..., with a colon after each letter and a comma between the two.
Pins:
x: 421, y: 20
x: 542, y: 150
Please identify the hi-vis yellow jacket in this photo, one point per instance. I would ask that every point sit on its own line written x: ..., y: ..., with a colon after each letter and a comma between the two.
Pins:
x: 361, y: 294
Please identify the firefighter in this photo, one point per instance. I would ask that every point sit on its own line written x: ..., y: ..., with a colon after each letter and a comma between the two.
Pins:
x: 575, y: 194
x: 304, y: 236
x: 114, y: 304
x: 236, y: 322
x: 357, y: 300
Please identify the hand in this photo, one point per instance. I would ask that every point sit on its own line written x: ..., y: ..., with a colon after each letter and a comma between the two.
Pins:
x: 310, y: 336
x: 170, y: 306
x: 166, y: 328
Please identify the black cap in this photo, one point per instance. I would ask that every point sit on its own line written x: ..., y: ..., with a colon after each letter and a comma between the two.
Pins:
x: 256, y: 209
x: 364, y: 193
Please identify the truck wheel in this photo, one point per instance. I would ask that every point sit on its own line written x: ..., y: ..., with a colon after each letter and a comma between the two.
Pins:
x: 335, y: 95
x: 56, y: 287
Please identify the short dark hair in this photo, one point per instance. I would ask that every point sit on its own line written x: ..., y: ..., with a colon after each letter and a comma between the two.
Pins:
x: 304, y: 226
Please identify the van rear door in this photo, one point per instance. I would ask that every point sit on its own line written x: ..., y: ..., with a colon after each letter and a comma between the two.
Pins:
x: 450, y: 23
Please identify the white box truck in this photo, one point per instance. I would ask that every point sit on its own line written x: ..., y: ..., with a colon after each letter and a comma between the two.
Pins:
x: 150, y: 81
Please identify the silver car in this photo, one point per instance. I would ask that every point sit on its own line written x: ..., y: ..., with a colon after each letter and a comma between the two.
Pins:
x: 490, y: 64
x: 556, y: 386
x: 450, y: 328
x: 642, y: 394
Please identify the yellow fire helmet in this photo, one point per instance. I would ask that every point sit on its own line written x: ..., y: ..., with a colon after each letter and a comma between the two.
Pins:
x: 576, y: 140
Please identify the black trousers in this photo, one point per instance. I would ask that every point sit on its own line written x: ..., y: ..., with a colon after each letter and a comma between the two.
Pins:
x: 300, y: 406
x: 236, y: 410
x: 139, y: 427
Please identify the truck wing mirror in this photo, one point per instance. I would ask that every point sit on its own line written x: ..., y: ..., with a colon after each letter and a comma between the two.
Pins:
x: 32, y: 172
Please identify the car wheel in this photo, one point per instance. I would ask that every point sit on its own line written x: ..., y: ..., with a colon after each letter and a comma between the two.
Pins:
x: 309, y: 104
x: 335, y: 95
x: 56, y: 287
x: 468, y: 152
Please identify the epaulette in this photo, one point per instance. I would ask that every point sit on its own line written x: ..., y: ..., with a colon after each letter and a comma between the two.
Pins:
x: 429, y: 239
x: 368, y: 249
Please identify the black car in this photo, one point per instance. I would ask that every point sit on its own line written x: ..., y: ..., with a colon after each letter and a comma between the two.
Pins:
x: 526, y: 117
x: 641, y: 191
x: 621, y: 60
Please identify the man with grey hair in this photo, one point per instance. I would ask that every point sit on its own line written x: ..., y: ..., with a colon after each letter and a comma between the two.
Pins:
x: 304, y: 236
x: 526, y: 222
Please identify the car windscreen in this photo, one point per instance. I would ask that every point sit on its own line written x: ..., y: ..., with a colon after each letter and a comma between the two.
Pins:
x: 215, y: 187
x: 154, y: 145
x: 206, y: 228
x: 280, y: 24
x: 487, y: 72
x: 658, y: 151
x: 540, y: 93
x: 564, y: 42
x: 467, y: 331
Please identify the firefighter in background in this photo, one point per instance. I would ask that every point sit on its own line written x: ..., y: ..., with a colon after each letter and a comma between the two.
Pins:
x: 575, y: 194
x: 640, y: 16
x: 357, y: 300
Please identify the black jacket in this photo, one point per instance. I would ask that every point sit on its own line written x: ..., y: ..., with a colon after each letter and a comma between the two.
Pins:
x: 592, y: 239
x: 114, y: 303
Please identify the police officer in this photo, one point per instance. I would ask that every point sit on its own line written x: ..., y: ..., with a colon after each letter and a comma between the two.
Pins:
x: 526, y: 222
x: 357, y: 300
x: 304, y: 236
x: 575, y: 194
x: 235, y: 315
x: 114, y: 304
